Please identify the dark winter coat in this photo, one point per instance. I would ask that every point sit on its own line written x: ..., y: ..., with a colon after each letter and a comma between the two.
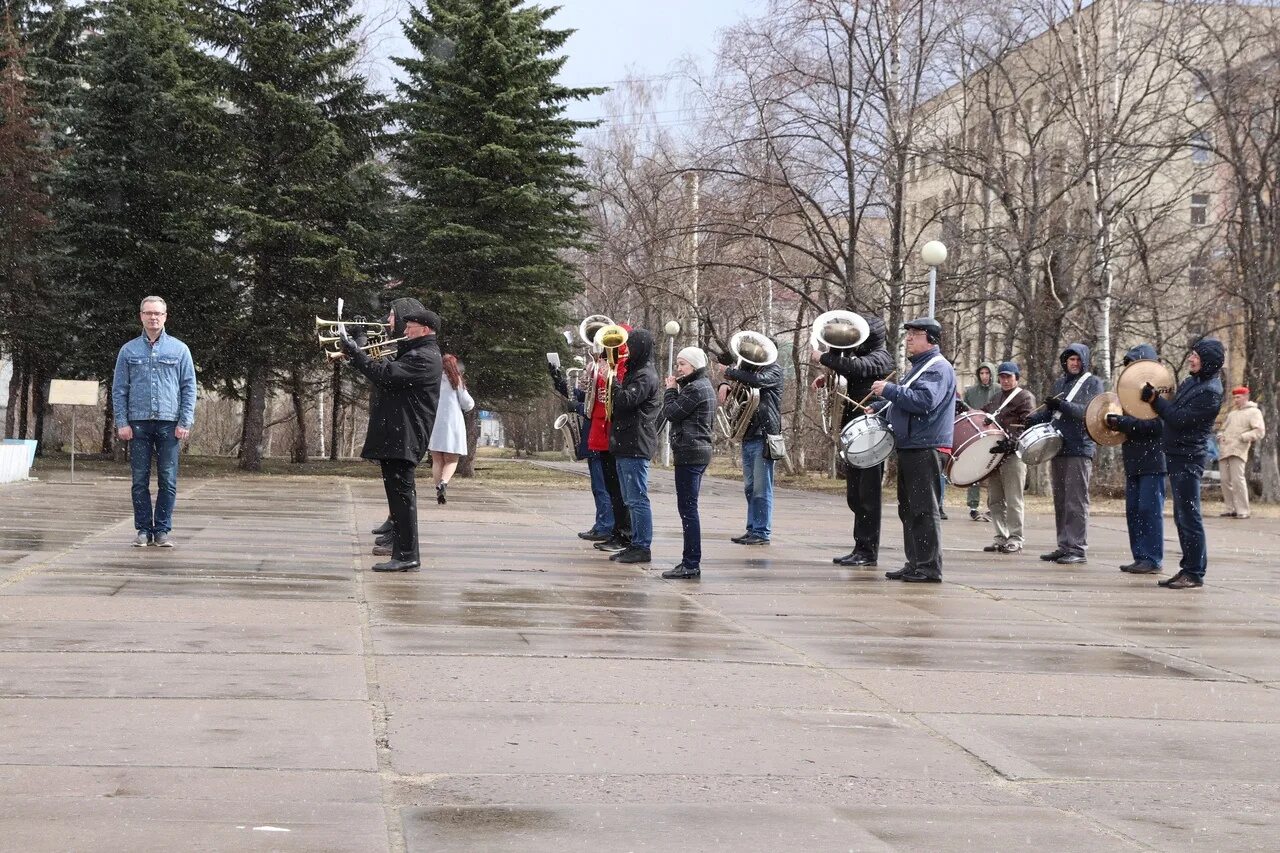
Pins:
x: 1013, y: 417
x: 636, y: 402
x: 768, y: 417
x: 1075, y: 438
x: 691, y: 411
x: 1189, y: 416
x: 977, y: 395
x: 861, y: 365
x: 403, y: 409
x: 923, y: 415
x: 1143, y: 450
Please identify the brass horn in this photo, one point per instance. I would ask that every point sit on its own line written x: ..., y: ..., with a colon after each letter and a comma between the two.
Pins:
x: 835, y: 330
x: 611, y: 338
x: 734, y: 417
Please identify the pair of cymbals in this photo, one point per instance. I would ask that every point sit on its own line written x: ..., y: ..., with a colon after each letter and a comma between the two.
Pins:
x: 1134, y: 376
x: 1095, y: 419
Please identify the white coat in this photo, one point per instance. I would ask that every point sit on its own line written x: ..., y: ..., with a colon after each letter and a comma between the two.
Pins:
x: 449, y: 435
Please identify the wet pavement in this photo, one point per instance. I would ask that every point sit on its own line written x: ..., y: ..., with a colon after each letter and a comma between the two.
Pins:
x: 257, y: 688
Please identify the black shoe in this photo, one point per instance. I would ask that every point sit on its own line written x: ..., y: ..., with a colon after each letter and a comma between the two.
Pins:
x: 978, y: 515
x: 1181, y: 580
x: 898, y: 574
x: 611, y: 545
x: 942, y: 515
x: 382, y: 551
x: 385, y: 539
x: 992, y: 549
x: 1144, y: 567
x: 440, y: 489
x: 739, y: 539
x: 752, y: 539
x: 1226, y: 515
x: 1053, y: 555
x: 1128, y: 567
x: 384, y: 527
x: 919, y: 577
x: 856, y: 559
x: 633, y: 554
x: 1010, y: 548
x: 1071, y: 560
x: 839, y: 561
x: 594, y: 535
x: 682, y: 572
x: 394, y: 565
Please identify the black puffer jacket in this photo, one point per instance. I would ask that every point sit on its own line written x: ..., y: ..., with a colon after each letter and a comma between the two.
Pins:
x: 768, y: 418
x: 1189, y: 416
x: 863, y: 364
x: 691, y: 411
x: 403, y: 411
x: 1075, y: 438
x: 636, y: 402
x: 1143, y: 450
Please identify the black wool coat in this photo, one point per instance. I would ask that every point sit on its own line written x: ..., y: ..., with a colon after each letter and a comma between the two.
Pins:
x: 636, y: 403
x: 403, y: 409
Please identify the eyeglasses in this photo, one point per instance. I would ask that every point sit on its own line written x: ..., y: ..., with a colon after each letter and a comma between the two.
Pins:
x: 154, y: 313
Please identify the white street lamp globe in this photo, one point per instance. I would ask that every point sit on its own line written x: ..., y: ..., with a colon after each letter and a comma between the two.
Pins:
x: 672, y: 328
x: 933, y: 253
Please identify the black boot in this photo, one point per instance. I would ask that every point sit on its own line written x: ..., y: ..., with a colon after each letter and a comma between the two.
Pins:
x: 394, y: 565
x: 682, y: 572
x: 440, y: 488
x: 384, y: 527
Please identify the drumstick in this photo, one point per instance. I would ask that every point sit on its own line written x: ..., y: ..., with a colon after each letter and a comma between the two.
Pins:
x: 862, y: 404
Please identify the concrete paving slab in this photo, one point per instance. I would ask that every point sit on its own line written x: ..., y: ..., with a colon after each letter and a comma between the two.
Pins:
x: 189, y: 637
x: 248, y: 612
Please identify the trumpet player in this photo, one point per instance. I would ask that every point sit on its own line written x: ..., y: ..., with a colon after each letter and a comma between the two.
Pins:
x: 598, y: 442
x: 860, y: 366
x: 633, y: 439
x: 757, y: 467
x: 576, y: 395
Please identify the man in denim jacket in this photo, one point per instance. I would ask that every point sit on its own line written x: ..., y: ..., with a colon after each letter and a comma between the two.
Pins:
x: 153, y: 397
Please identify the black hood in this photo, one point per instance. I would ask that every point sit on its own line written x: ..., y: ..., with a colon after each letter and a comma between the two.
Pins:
x: 402, y: 306
x: 876, y: 340
x: 1139, y: 353
x: 639, y: 349
x: 1075, y: 349
x: 1212, y: 356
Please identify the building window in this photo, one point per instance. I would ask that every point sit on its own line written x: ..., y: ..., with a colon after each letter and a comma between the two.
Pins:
x: 1201, y: 147
x: 1199, y: 208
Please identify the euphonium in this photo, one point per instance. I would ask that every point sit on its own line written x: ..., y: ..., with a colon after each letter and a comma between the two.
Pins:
x: 734, y: 417
x: 835, y: 330
x: 572, y: 432
x: 589, y: 326
x: 611, y: 338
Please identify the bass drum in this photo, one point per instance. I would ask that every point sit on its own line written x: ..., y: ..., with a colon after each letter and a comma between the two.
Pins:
x: 1039, y: 443
x: 866, y: 441
x: 972, y: 459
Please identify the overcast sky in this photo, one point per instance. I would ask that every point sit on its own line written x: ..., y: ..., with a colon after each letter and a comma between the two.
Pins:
x: 614, y: 38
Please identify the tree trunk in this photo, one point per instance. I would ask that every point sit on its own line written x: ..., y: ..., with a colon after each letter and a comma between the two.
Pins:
x: 24, y: 398
x: 335, y: 414
x: 39, y: 406
x: 296, y: 394
x: 15, y: 388
x: 253, y: 426
x: 467, y: 464
x: 108, y: 426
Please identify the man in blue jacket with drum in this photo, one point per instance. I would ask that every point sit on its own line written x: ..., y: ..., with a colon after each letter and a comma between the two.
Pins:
x: 1071, y: 469
x: 921, y: 414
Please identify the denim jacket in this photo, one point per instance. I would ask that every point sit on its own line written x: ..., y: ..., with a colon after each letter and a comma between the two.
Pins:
x: 154, y: 383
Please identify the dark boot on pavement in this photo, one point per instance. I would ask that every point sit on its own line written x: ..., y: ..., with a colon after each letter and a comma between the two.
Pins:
x: 1144, y: 567
x: 384, y: 527
x: 682, y: 572
x: 394, y: 565
x: 633, y: 554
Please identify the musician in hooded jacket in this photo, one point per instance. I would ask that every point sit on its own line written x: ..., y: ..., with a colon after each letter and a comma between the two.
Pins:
x: 1144, y: 475
x: 633, y: 439
x: 757, y: 466
x: 860, y: 366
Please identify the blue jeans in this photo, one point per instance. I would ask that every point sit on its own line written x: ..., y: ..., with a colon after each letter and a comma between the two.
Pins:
x: 633, y: 474
x: 1144, y: 510
x: 1184, y: 484
x: 688, y: 482
x: 599, y: 491
x: 154, y: 440
x: 757, y: 483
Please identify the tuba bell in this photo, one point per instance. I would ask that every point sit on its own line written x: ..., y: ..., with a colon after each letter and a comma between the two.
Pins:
x: 588, y: 328
x: 734, y: 417
x: 587, y: 331
x: 834, y: 330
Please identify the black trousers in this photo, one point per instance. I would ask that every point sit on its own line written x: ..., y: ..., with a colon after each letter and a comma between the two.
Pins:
x: 862, y: 492
x: 918, y: 472
x: 621, y: 517
x: 402, y: 499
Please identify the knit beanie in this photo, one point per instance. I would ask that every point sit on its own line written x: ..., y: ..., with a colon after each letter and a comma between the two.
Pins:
x: 694, y: 356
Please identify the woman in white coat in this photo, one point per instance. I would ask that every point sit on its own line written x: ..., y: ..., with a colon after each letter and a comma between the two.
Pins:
x: 449, y: 435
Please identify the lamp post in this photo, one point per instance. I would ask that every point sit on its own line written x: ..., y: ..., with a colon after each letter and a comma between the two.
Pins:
x: 672, y: 329
x: 934, y: 254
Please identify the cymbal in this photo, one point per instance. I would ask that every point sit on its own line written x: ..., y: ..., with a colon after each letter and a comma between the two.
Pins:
x: 1133, y: 376
x: 1095, y: 419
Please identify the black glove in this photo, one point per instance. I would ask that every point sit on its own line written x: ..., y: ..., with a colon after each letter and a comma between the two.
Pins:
x: 1053, y: 404
x: 1005, y: 445
x: 361, y: 336
x: 1148, y: 393
x: 554, y: 371
x: 347, y: 344
x: 1113, y: 421
x: 961, y: 407
x: 726, y: 359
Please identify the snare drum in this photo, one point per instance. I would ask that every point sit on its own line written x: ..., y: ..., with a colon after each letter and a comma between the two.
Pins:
x: 1039, y: 443
x: 866, y: 441
x: 972, y: 461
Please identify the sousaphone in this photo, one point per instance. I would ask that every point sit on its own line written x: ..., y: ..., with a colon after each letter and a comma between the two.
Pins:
x: 1095, y: 419
x: 1131, y: 379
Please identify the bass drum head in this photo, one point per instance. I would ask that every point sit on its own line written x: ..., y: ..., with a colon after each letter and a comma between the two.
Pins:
x: 865, y: 442
x: 1039, y: 443
x: 972, y: 460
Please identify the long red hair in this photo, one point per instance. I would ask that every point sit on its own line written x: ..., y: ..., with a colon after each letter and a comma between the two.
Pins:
x: 451, y: 370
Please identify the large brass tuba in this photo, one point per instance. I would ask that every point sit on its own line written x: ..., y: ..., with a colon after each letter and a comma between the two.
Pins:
x: 587, y: 331
x: 734, y: 417
x: 835, y: 330
x: 611, y: 339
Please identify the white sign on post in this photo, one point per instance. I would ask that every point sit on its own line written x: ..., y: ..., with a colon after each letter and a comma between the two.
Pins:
x: 73, y: 392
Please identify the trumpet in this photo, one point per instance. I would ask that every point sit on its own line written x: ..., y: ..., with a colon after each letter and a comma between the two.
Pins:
x: 611, y: 339
x: 329, y: 335
x: 378, y: 349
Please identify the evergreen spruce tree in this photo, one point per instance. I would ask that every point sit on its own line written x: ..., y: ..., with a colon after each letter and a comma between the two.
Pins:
x: 300, y: 127
x: 137, y: 202
x: 488, y: 162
